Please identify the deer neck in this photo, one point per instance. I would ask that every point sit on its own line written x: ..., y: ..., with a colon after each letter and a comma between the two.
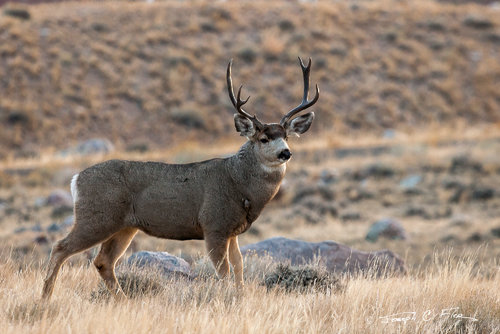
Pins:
x: 255, y: 179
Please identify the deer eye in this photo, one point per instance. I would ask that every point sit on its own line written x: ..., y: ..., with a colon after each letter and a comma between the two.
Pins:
x: 264, y: 141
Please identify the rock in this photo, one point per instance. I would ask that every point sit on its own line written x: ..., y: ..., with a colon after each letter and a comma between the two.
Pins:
x: 496, y: 232
x: 388, y: 228
x: 410, y: 182
x: 88, y: 147
x: 335, y: 257
x: 163, y: 262
x: 460, y: 220
x: 40, y: 202
x: 53, y: 228
x: 68, y: 221
x: 389, y: 134
x: 59, y: 197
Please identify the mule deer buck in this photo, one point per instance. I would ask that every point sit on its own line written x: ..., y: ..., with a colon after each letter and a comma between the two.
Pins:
x: 215, y: 200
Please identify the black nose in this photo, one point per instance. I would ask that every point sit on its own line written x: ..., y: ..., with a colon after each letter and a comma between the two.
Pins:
x: 285, y: 154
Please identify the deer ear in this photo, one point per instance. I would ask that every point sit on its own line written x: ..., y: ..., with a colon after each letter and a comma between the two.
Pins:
x: 244, y: 126
x: 299, y: 125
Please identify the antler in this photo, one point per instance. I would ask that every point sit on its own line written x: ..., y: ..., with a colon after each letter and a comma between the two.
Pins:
x: 305, y: 102
x: 238, y: 102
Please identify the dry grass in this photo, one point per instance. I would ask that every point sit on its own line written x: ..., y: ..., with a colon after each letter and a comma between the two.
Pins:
x: 380, y: 64
x: 211, y: 306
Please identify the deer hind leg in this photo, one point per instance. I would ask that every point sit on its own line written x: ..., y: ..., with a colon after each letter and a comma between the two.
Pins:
x: 236, y: 260
x: 73, y: 243
x: 217, y: 249
x: 110, y: 252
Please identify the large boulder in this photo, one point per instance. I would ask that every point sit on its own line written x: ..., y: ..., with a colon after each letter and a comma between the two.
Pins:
x: 333, y: 256
x: 162, y: 262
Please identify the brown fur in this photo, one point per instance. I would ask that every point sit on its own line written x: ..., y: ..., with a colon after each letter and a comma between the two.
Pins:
x: 213, y: 200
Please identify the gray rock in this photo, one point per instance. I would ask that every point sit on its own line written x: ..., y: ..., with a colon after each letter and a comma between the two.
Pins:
x: 388, y: 228
x: 389, y: 133
x: 460, y: 220
x: 410, y: 182
x: 59, y: 197
x: 54, y: 228
x: 333, y: 256
x: 88, y: 147
x: 167, y: 264
x: 68, y: 221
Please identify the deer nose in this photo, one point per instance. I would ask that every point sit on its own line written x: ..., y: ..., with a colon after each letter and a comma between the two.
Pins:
x: 285, y: 154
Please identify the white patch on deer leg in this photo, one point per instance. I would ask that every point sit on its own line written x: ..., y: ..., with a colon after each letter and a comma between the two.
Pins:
x: 74, y: 189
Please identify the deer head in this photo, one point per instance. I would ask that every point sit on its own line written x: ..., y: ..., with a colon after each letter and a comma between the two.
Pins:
x: 270, y: 139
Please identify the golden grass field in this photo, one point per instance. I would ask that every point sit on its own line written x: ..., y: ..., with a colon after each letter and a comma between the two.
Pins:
x: 447, y: 267
x: 150, y: 78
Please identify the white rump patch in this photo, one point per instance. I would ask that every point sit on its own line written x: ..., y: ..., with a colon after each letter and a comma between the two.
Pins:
x: 74, y: 189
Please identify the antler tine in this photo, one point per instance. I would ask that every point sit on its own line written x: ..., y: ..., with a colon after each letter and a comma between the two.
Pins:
x: 305, y: 102
x: 237, y: 101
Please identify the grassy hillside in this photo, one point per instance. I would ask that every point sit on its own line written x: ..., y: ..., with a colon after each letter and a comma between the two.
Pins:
x: 153, y: 74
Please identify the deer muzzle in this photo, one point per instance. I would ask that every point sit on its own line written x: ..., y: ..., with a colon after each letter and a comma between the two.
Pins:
x: 285, y: 155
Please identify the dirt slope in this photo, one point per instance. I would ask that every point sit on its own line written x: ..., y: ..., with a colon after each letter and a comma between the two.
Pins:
x: 154, y: 73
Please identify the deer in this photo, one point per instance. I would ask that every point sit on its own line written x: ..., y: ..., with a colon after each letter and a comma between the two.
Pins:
x: 214, y: 200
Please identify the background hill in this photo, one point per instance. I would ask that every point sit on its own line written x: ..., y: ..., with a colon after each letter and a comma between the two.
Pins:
x: 154, y: 74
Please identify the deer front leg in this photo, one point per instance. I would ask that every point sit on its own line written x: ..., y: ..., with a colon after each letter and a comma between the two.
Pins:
x: 217, y: 248
x: 236, y: 260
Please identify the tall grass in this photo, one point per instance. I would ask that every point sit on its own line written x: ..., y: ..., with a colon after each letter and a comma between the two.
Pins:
x: 425, y: 302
